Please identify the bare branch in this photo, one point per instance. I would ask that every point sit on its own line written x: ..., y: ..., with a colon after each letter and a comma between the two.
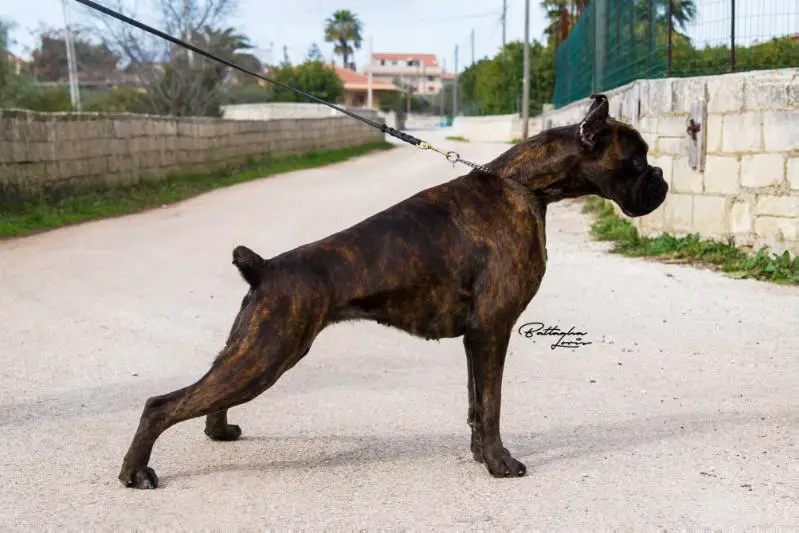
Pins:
x: 176, y: 84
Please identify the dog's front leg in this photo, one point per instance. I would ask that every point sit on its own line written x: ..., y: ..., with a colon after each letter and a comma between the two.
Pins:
x: 474, y: 416
x: 486, y: 349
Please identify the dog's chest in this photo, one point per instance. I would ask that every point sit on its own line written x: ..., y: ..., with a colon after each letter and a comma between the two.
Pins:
x: 532, y: 247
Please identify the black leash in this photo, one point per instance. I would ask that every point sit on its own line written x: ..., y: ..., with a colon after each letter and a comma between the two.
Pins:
x: 451, y: 156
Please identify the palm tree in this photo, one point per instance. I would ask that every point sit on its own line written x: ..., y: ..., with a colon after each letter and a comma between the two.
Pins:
x: 682, y: 11
x: 224, y: 42
x: 342, y: 29
x: 554, y: 13
x: 229, y: 45
x: 562, y: 16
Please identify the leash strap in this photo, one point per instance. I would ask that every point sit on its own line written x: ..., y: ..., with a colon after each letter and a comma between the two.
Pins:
x: 452, y: 157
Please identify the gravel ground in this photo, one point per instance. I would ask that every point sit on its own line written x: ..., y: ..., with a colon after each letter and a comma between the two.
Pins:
x: 681, y: 413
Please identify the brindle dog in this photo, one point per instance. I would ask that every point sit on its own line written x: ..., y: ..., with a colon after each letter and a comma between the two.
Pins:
x: 463, y: 258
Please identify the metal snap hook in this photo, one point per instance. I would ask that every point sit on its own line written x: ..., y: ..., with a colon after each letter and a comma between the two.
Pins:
x: 453, y: 157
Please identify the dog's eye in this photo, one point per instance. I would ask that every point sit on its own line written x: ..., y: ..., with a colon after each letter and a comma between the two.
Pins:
x: 639, y: 163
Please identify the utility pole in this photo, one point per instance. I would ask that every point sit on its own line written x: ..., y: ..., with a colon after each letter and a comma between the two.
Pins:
x: 407, y: 95
x: 455, y: 87
x: 72, y: 69
x: 369, y: 74
x: 187, y: 29
x: 504, y: 20
x: 472, y: 46
x: 441, y: 90
x: 526, y: 73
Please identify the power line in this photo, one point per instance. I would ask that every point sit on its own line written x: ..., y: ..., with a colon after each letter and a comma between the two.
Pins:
x: 494, y: 25
x: 526, y: 73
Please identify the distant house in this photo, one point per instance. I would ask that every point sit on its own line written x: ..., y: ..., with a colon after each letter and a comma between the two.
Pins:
x: 356, y: 87
x: 419, y: 73
x: 18, y: 63
x: 139, y: 74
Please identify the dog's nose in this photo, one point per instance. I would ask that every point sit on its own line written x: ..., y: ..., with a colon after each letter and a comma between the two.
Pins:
x: 657, y: 188
x: 657, y: 172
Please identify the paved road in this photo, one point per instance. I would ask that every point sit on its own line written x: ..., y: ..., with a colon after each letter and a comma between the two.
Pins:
x: 682, y: 413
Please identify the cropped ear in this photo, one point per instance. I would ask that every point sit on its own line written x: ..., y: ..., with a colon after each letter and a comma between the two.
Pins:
x: 594, y: 122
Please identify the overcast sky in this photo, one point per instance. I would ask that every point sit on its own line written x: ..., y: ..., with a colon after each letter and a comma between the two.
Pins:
x: 421, y: 26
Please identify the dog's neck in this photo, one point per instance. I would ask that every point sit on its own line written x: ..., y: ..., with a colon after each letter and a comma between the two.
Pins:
x: 546, y: 165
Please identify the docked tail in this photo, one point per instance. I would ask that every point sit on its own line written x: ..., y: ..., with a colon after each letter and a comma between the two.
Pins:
x: 251, y: 265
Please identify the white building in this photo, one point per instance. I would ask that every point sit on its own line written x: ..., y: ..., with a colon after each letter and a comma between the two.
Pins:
x: 418, y: 72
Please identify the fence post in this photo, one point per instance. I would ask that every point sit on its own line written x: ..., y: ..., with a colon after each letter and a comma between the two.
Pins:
x: 732, y: 37
x: 650, y: 28
x: 671, y: 25
x: 600, y: 41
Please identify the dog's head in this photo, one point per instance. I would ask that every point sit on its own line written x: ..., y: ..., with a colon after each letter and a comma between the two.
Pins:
x: 614, y: 160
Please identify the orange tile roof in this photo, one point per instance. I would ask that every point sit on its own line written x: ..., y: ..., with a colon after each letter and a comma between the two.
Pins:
x: 354, y: 80
x: 428, y: 60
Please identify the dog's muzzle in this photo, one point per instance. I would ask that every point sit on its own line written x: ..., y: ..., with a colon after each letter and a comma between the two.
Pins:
x: 649, y: 192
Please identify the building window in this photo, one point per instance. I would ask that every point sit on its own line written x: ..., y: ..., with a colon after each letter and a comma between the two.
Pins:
x: 430, y: 78
x: 382, y: 62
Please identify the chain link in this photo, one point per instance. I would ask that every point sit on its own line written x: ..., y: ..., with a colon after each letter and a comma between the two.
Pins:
x: 453, y: 157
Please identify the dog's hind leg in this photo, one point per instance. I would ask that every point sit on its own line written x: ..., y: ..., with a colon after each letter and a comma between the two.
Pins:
x: 239, y: 375
x: 251, y: 267
x: 217, y: 427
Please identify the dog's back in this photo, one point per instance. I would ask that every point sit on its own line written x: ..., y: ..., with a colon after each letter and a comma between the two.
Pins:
x: 413, y: 265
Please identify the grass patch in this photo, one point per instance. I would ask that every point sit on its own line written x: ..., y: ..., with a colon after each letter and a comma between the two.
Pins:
x: 516, y: 140
x: 459, y: 138
x: 48, y: 212
x: 723, y: 256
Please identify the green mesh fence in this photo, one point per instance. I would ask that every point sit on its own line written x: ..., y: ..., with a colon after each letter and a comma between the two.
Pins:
x: 632, y: 40
x: 574, y: 61
x: 615, y: 42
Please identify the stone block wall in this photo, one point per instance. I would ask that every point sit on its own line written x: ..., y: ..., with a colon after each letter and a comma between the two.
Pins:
x: 44, y: 151
x: 747, y: 182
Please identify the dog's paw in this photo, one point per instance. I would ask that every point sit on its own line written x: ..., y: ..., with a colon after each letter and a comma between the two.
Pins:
x: 140, y: 478
x: 500, y: 463
x: 477, y: 447
x: 225, y: 433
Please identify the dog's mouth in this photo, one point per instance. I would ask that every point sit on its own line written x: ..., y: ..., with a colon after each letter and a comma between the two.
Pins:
x: 646, y: 194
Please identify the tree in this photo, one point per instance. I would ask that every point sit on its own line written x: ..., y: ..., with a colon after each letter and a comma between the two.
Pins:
x: 17, y: 85
x: 250, y: 62
x: 94, y: 62
x: 179, y: 82
x: 313, y: 77
x: 342, y: 29
x: 227, y: 44
x: 562, y: 15
x: 554, y: 12
x: 6, y: 68
x: 494, y: 86
x: 314, y: 53
x: 682, y: 11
